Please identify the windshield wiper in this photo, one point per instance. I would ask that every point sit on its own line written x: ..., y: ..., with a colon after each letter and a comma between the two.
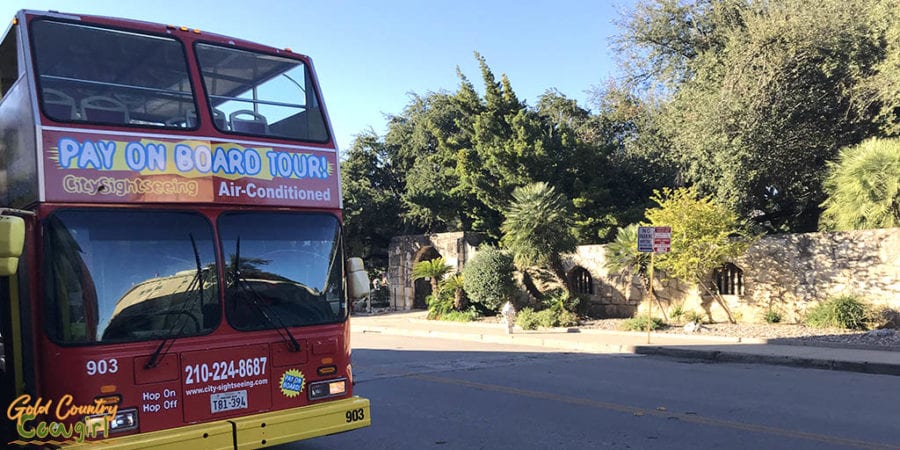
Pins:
x: 256, y: 300
x: 155, y: 358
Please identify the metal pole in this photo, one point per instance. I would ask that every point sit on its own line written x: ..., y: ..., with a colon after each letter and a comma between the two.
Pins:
x: 650, y: 304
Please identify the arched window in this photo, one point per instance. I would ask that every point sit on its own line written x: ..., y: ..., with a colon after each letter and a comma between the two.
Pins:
x: 729, y: 279
x: 582, y: 281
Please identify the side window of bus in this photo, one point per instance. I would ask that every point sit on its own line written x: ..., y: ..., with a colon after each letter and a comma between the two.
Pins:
x: 9, y: 62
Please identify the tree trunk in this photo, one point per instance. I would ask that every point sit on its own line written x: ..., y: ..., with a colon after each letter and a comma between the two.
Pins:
x: 719, y: 300
x: 434, y: 289
x: 560, y: 272
x: 529, y: 285
x: 659, y: 303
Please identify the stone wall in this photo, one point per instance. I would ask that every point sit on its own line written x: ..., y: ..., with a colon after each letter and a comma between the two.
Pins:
x: 792, y: 272
x: 405, y: 251
x: 785, y: 273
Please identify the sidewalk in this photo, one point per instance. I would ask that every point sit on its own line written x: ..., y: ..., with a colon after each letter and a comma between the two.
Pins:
x: 710, y: 348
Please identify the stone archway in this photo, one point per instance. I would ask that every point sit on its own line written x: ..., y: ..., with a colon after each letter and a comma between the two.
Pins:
x: 422, y: 287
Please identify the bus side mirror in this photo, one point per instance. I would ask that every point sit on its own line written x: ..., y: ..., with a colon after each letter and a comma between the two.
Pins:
x: 357, y: 279
x: 12, y: 239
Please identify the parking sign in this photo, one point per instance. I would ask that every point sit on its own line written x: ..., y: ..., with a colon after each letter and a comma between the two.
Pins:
x: 654, y: 239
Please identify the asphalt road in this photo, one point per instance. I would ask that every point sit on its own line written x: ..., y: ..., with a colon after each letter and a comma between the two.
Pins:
x: 438, y: 394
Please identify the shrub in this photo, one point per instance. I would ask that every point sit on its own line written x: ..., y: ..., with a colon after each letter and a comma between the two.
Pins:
x: 773, y: 316
x: 677, y: 313
x: 380, y: 297
x: 693, y: 316
x: 527, y: 319
x: 845, y: 311
x: 468, y: 315
x: 560, y: 312
x: 488, y: 278
x: 639, y: 323
x: 439, y: 307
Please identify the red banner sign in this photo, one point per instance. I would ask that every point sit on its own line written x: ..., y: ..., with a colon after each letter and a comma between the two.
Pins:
x: 90, y: 167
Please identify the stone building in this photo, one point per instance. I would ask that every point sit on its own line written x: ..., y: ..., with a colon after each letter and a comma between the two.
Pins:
x: 784, y: 273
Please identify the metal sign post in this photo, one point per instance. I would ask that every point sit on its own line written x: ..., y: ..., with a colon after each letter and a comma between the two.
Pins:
x: 653, y: 240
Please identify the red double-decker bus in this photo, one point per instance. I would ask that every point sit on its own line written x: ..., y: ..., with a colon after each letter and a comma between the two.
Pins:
x: 172, y: 273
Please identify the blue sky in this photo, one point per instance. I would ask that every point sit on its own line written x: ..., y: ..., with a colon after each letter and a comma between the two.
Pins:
x: 370, y: 55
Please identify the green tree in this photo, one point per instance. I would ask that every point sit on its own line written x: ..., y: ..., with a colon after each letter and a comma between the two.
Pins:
x: 488, y: 278
x: 863, y: 187
x: 880, y: 90
x: 433, y: 270
x: 705, y: 235
x: 372, y: 188
x: 538, y: 229
x: 455, y: 284
x: 427, y: 136
x: 759, y: 94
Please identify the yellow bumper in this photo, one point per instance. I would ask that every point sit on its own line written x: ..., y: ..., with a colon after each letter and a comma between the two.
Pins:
x: 256, y: 431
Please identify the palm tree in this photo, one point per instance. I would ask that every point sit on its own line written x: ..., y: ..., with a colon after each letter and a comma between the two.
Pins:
x: 456, y: 283
x: 538, y: 229
x: 623, y: 257
x: 863, y: 187
x: 432, y: 270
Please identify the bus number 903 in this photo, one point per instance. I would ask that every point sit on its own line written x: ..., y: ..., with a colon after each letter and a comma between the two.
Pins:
x: 355, y: 415
x: 102, y: 366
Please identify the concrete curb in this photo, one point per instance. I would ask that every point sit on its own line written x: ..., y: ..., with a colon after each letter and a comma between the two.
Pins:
x: 513, y: 339
x: 756, y: 358
x: 675, y: 351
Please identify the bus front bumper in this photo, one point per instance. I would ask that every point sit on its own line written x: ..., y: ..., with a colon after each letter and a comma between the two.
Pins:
x: 256, y: 431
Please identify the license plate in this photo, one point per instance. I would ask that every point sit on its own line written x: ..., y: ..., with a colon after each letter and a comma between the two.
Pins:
x: 228, y: 401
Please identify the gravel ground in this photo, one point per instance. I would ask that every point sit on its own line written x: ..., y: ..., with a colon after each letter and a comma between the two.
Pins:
x: 792, y: 334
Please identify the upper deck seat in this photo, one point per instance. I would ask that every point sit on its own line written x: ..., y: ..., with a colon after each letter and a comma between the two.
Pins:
x: 247, y: 121
x: 100, y: 108
x: 188, y: 120
x: 59, y: 105
x: 220, y: 120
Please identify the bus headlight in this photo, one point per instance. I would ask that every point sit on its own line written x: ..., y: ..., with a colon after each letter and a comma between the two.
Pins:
x: 325, y: 389
x: 125, y: 420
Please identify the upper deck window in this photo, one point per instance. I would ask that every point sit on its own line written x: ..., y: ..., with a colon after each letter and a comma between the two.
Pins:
x: 106, y: 76
x: 260, y: 94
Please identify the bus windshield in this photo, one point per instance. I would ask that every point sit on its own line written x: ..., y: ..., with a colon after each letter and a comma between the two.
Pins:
x: 106, y: 76
x: 126, y: 275
x: 282, y: 269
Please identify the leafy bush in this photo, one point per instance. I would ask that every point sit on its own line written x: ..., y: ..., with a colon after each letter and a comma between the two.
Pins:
x: 773, y: 316
x: 468, y: 315
x: 488, y: 278
x: 677, y: 313
x: 443, y: 309
x: 380, y: 297
x: 560, y: 311
x: 439, y: 306
x: 527, y: 319
x: 845, y: 311
x: 693, y: 316
x: 639, y: 323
